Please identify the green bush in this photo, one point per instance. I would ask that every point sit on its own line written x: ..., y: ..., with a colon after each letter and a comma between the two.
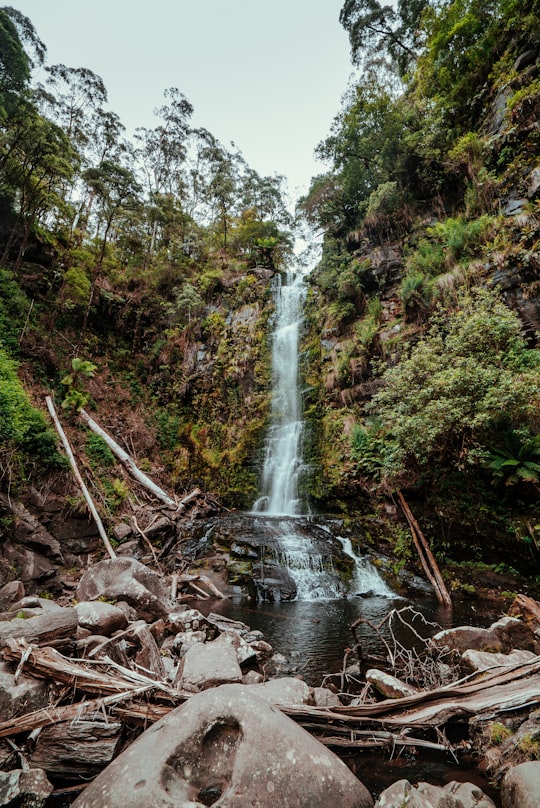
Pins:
x: 24, y: 435
x: 469, y: 379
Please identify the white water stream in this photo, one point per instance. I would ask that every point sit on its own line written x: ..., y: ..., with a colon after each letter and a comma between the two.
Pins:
x: 283, y: 461
x: 313, y: 572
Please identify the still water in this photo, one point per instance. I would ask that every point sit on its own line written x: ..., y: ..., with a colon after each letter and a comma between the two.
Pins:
x: 314, y: 634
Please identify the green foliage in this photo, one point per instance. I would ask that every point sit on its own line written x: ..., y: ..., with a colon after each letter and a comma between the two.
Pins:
x: 24, y: 435
x: 14, y: 307
x: 75, y: 398
x: 77, y: 287
x: 467, y: 380
x: 516, y: 459
x: 99, y: 454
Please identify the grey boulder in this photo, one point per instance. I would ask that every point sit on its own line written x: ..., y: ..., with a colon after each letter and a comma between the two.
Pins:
x: 521, y: 786
x: 228, y: 748
x: 128, y: 580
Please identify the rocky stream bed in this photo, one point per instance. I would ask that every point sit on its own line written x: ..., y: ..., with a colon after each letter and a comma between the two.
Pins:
x: 118, y: 693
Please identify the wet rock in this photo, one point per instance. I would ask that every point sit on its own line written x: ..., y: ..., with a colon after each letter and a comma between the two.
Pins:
x: 322, y: 697
x: 27, y: 788
x: 21, y: 696
x: 388, y: 685
x: 128, y: 580
x: 482, y: 660
x: 191, y: 620
x: 501, y: 637
x: 525, y: 608
x: 207, y: 665
x: 273, y: 582
x: 521, y: 786
x: 287, y: 691
x: 402, y: 793
x: 100, y: 618
x: 226, y: 746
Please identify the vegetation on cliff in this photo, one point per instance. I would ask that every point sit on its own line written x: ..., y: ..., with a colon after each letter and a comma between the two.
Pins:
x: 427, y: 376
x: 149, y: 259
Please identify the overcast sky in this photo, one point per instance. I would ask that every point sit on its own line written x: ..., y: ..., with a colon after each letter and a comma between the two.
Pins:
x: 267, y: 75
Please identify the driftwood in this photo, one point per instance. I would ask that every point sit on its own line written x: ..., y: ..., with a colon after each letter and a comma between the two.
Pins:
x: 186, y: 578
x: 427, y: 559
x: 133, y: 696
x: 77, y: 474
x: 49, y: 627
x: 128, y: 462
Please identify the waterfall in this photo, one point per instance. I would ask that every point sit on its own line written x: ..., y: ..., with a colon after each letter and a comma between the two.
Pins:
x: 301, y: 547
x: 283, y: 460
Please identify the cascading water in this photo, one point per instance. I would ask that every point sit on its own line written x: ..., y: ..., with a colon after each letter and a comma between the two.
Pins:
x: 297, y: 545
x: 283, y: 460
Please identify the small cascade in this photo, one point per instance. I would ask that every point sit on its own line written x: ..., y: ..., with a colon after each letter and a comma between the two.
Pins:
x: 366, y: 579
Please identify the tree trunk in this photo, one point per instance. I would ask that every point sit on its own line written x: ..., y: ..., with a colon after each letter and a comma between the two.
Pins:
x: 76, y: 472
x: 427, y: 558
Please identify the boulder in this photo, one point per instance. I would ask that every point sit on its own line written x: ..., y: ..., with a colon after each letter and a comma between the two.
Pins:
x: 287, y: 691
x: 527, y: 609
x: 10, y: 593
x: 402, y: 793
x: 521, y: 786
x: 501, y: 637
x: 468, y: 795
x: 226, y: 746
x: 128, y: 580
x: 100, y: 618
x: 482, y: 660
x: 22, y: 696
x: 207, y: 665
x: 323, y: 697
x: 24, y: 788
x: 463, y: 638
x: 388, y: 685
x: 513, y: 633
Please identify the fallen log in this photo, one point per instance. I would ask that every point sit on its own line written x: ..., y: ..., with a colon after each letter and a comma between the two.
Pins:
x: 427, y: 559
x: 77, y: 474
x: 69, y: 712
x: 85, y: 675
x: 43, y: 629
x: 128, y: 462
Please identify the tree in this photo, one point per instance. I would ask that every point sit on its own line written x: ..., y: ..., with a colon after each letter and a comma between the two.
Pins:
x: 162, y: 153
x: 373, y: 28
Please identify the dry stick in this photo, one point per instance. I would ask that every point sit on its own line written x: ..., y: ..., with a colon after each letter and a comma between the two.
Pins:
x: 128, y: 462
x: 174, y: 587
x: 429, y: 561
x: 77, y: 474
x: 147, y: 540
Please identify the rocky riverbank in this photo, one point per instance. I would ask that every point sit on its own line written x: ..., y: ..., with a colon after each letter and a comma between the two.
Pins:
x: 154, y: 703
